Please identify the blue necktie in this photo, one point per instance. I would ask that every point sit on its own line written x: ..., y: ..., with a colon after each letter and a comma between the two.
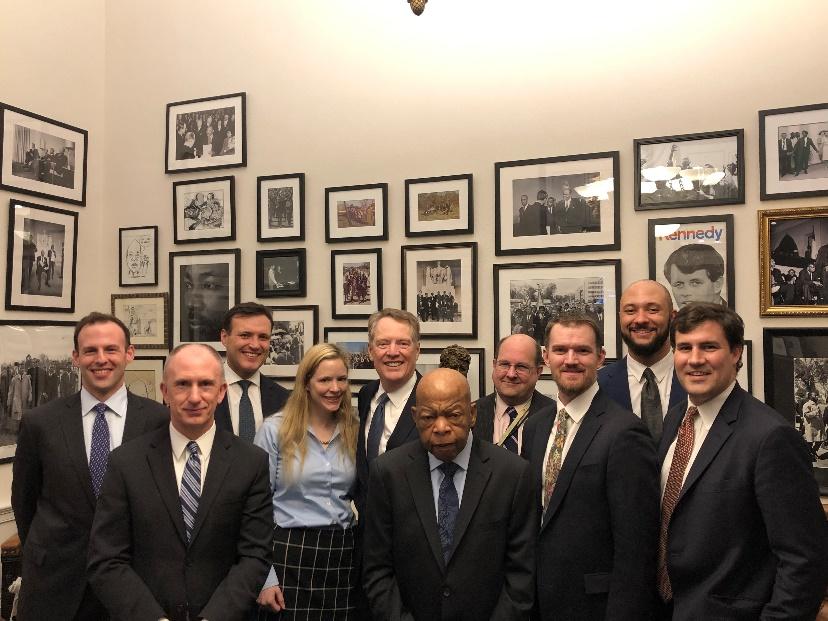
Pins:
x: 99, y: 448
x: 247, y: 422
x: 511, y: 442
x: 448, y: 505
x: 190, y: 491
x: 376, y: 428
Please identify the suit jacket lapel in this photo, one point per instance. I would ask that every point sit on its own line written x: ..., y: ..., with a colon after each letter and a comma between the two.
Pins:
x: 617, y: 385
x: 671, y: 424
x: 418, y: 476
x: 405, y: 426
x: 477, y: 476
x: 268, y: 394
x: 220, y: 458
x: 163, y: 472
x: 485, y: 419
x: 136, y: 418
x: 71, y: 423
x: 677, y: 393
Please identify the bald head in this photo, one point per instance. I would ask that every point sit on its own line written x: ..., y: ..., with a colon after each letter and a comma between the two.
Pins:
x: 441, y: 383
x: 444, y: 413
x: 646, y: 310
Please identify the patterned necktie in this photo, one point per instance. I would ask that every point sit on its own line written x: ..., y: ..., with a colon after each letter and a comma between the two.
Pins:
x: 448, y: 505
x: 511, y: 442
x: 190, y: 491
x: 553, y: 462
x: 681, y: 457
x: 99, y: 448
x: 247, y: 422
x: 377, y: 427
x: 651, y: 411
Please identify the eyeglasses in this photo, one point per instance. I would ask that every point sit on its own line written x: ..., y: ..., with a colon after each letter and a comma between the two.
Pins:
x: 520, y: 369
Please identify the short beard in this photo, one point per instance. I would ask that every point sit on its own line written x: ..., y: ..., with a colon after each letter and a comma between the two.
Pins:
x: 645, y: 351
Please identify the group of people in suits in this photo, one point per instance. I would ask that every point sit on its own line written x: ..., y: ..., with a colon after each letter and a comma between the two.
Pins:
x: 546, y: 216
x: 795, y: 152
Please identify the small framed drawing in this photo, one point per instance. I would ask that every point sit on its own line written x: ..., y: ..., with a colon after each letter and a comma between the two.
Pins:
x: 143, y: 377
x: 691, y: 170
x: 439, y: 206
x: 204, y: 210
x: 295, y: 331
x: 356, y: 213
x: 443, y: 291
x: 42, y: 157
x: 145, y: 315
x: 281, y: 273
x: 281, y: 200
x: 557, y: 204
x: 356, y: 283
x: 793, y: 262
x: 796, y: 386
x: 529, y: 295
x: 429, y: 360
x: 32, y: 349
x: 204, y: 284
x: 693, y: 258
x: 138, y: 256
x: 354, y: 340
x: 793, y: 152
x: 745, y: 374
x: 40, y: 263
x: 206, y: 134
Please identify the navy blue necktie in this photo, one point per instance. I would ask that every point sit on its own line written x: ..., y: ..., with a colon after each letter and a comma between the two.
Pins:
x: 377, y: 427
x: 448, y: 505
x: 511, y: 442
x: 99, y: 448
x: 247, y: 422
x: 190, y: 491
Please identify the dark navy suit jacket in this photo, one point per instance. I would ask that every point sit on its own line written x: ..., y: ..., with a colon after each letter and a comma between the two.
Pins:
x: 613, y: 381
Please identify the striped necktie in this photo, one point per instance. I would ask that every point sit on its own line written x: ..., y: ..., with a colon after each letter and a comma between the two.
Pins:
x: 511, y: 442
x: 190, y: 491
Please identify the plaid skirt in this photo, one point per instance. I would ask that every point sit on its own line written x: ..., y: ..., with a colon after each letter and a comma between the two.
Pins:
x: 316, y: 572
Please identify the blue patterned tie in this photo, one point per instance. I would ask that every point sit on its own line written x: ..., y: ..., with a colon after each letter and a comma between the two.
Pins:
x: 190, y: 490
x: 448, y: 505
x: 99, y: 448
x: 511, y: 442
x: 247, y: 422
x: 377, y: 427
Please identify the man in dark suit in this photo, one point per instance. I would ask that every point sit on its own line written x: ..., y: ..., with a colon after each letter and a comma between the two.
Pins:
x: 743, y: 535
x: 785, y: 150
x: 61, y: 455
x: 643, y: 381
x: 535, y: 218
x: 251, y: 397
x: 596, y: 478
x: 571, y: 214
x: 516, y: 367
x: 802, y: 152
x: 185, y: 515
x: 451, y: 521
x: 808, y: 284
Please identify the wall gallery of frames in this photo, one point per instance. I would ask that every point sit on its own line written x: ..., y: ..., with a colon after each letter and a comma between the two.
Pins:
x: 542, y: 207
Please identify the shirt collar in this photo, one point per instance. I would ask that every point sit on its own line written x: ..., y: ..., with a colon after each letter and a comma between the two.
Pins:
x: 659, y: 369
x: 117, y: 402
x: 461, y: 460
x: 400, y: 396
x: 179, y: 441
x: 710, y: 409
x: 579, y: 406
x: 501, y: 405
x: 231, y: 377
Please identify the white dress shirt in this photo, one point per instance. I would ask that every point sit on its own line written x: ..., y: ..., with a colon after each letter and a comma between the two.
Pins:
x: 663, y: 371
x: 234, y: 394
x: 577, y: 409
x: 115, y: 417
x: 393, y: 410
x: 181, y: 454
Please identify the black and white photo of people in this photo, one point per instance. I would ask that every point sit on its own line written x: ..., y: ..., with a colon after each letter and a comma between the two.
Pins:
x: 204, y: 134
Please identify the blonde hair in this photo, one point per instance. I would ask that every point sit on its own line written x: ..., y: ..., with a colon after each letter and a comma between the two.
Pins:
x: 293, y: 432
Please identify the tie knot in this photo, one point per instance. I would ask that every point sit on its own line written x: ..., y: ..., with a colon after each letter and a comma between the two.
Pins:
x: 245, y: 384
x: 100, y: 409
x: 449, y: 468
x: 649, y: 375
x: 511, y: 412
x: 563, y: 416
x: 383, y: 399
x: 192, y: 446
x: 692, y: 412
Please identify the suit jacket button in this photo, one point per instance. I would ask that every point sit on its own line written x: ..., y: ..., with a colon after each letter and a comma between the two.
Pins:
x: 446, y: 591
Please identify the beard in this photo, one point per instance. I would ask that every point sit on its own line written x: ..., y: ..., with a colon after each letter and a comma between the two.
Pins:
x: 645, y: 350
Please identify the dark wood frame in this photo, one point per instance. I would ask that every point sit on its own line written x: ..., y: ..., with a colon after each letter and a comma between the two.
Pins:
x: 300, y: 254
x: 314, y: 310
x: 154, y: 281
x: 411, y: 183
x: 383, y: 187
x: 165, y: 300
x: 232, y: 210
x: 335, y: 282
x: 298, y: 213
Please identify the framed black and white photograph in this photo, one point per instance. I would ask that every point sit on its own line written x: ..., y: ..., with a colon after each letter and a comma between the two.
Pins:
x: 691, y: 170
x: 796, y: 386
x: 793, y: 262
x: 35, y: 368
x: 281, y: 200
x: 529, y: 295
x: 204, y: 210
x: 356, y: 283
x: 281, y: 273
x: 439, y: 206
x: 204, y: 284
x: 557, y: 204
x: 42, y: 157
x: 143, y: 377
x: 145, y: 315
x: 295, y: 331
x: 354, y: 340
x: 793, y: 152
x: 40, y: 263
x: 138, y: 256
x: 356, y: 213
x: 442, y: 291
x: 693, y: 258
x: 206, y: 134
x: 430, y: 359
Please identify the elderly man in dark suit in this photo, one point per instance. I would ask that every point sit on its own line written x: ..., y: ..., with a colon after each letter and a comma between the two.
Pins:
x: 62, y: 451
x: 743, y: 535
x: 451, y: 519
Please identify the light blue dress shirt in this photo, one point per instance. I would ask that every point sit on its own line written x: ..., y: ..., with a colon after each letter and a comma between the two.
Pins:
x: 437, y: 475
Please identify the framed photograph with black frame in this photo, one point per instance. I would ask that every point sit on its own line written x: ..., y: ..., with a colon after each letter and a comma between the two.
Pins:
x: 281, y: 200
x: 793, y: 262
x: 796, y: 386
x: 356, y: 283
x: 143, y: 377
x: 529, y: 295
x: 138, y: 256
x: 429, y: 360
x: 204, y: 210
x: 42, y: 157
x: 295, y: 331
x: 146, y: 316
x: 439, y: 206
x: 206, y: 134
x: 557, y: 204
x: 793, y: 152
x: 690, y: 170
x: 204, y: 284
x: 693, y: 258
x: 441, y: 292
x: 41, y: 258
x: 356, y: 213
x: 281, y: 273
x: 354, y: 340
x: 35, y: 368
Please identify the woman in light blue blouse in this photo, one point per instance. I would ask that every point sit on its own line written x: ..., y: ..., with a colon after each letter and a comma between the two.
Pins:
x: 312, y: 447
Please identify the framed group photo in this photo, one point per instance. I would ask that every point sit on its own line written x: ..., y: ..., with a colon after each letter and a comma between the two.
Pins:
x: 356, y: 213
x: 356, y: 283
x: 439, y: 206
x: 281, y: 273
x: 143, y: 377
x: 206, y: 134
x: 204, y: 210
x: 42, y: 157
x: 354, y: 340
x: 693, y: 258
x: 138, y: 256
x: 295, y: 331
x: 41, y: 258
x: 145, y: 315
x: 281, y: 200
x: 557, y: 204
x: 429, y: 360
